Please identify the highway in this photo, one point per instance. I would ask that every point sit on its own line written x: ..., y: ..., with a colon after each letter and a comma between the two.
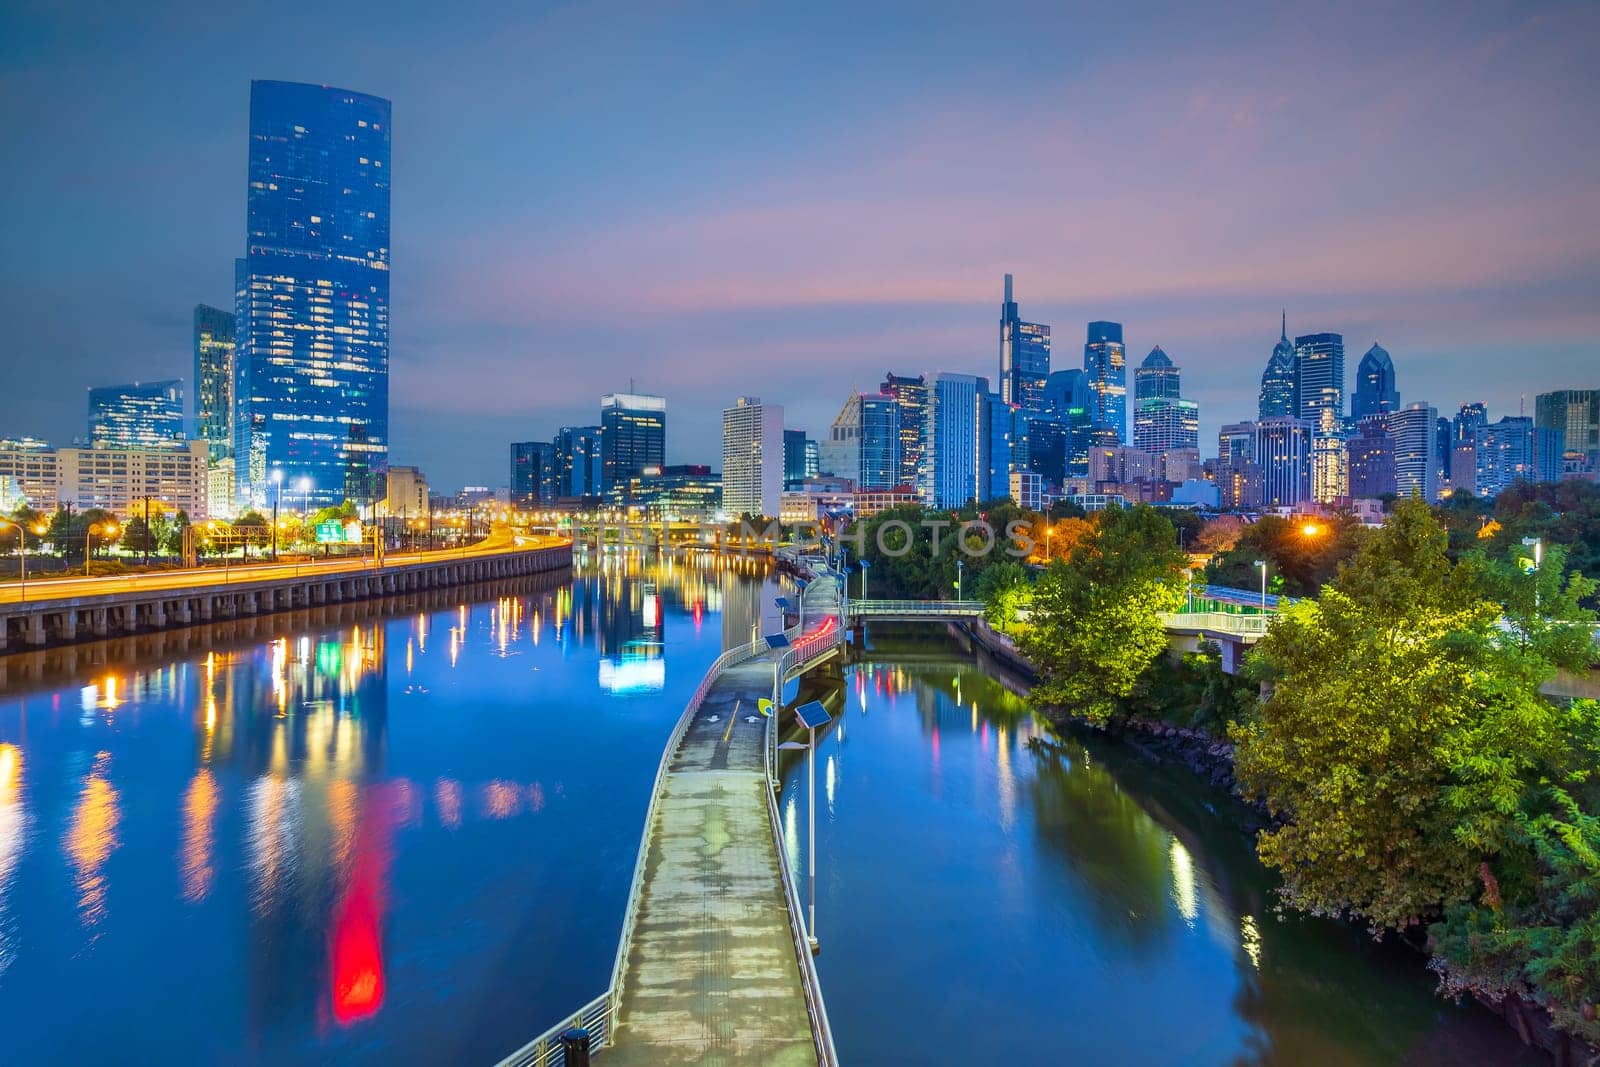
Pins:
x: 500, y: 539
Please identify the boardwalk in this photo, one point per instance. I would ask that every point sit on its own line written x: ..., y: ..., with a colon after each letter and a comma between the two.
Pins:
x: 712, y: 975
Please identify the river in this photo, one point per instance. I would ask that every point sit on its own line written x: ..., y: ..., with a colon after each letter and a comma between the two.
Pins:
x: 403, y: 831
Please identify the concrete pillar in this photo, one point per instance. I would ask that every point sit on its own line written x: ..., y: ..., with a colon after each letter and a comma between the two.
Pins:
x: 5, y: 625
x: 158, y: 614
x: 250, y: 603
x: 36, y: 635
x: 181, y: 612
x: 130, y: 618
x: 67, y: 625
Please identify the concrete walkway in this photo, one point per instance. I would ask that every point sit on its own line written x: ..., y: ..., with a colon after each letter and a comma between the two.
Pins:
x: 711, y: 974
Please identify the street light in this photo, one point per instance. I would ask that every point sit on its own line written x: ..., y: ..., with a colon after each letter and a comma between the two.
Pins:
x: 864, y: 566
x: 814, y: 716
x: 22, y: 542
x: 109, y: 529
x: 960, y: 565
x: 277, y: 491
x: 1537, y: 544
x: 1263, y: 565
x: 1311, y: 529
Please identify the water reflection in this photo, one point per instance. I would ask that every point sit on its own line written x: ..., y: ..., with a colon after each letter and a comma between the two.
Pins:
x: 972, y: 866
x: 308, y: 821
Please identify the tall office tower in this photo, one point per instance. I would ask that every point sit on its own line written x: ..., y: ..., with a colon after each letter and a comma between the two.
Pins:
x: 1576, y: 414
x: 1517, y: 449
x: 950, y: 460
x: 813, y: 458
x: 840, y: 454
x: 752, y: 457
x: 535, y: 473
x: 1067, y: 398
x: 1446, y: 438
x: 1464, y: 445
x: 998, y: 424
x: 878, y: 456
x: 1371, y: 458
x: 1024, y: 357
x: 633, y: 439
x: 1330, y: 461
x: 1162, y: 420
x: 1277, y: 398
x: 138, y: 415
x: 1239, y: 481
x: 311, y: 368
x: 1282, y: 449
x: 1414, y: 429
x: 1047, y: 450
x: 1375, y: 388
x: 1105, y: 364
x: 912, y: 396
x: 794, y: 457
x: 578, y: 471
x: 213, y: 380
x: 1318, y: 375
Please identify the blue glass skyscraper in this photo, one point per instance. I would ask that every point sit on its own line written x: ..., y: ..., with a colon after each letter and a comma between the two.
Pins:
x: 1375, y: 389
x: 1105, y: 362
x: 1024, y: 357
x: 311, y: 368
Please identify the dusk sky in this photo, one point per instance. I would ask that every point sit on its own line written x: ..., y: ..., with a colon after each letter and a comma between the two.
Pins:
x: 789, y: 201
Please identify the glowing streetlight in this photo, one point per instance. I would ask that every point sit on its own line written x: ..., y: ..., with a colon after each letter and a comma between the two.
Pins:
x: 22, y: 541
x: 1263, y: 565
x: 1311, y: 529
x: 109, y: 529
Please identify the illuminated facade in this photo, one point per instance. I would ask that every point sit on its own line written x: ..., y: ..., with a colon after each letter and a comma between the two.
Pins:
x: 1024, y: 357
x: 1414, y: 429
x: 1277, y: 398
x: 633, y: 439
x: 911, y: 394
x: 1375, y: 389
x: 1370, y: 458
x: 29, y: 474
x: 1330, y: 462
x: 1318, y: 375
x: 1282, y: 449
x: 1105, y: 364
x: 752, y: 457
x: 1575, y: 414
x: 311, y: 366
x: 117, y: 479
x: 1516, y: 449
x: 138, y: 415
x: 213, y: 379
x: 949, y: 475
x: 578, y: 461
x: 535, y: 473
x: 1162, y: 419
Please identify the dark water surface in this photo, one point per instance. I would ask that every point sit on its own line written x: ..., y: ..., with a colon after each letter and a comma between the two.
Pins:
x: 980, y: 900
x: 408, y: 837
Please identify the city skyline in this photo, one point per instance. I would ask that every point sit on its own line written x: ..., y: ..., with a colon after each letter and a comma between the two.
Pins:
x: 1467, y: 270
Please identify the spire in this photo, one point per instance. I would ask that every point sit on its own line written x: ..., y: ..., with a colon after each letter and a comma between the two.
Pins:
x: 1283, y: 333
x: 1008, y: 288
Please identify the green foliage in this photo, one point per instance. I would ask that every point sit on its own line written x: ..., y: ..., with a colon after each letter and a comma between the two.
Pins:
x: 1194, y: 692
x: 1094, y: 629
x: 1561, y: 513
x: 1400, y: 733
x: 1006, y: 589
x: 1303, y: 561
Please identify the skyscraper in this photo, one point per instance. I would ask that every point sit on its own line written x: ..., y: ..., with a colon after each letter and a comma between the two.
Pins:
x: 578, y: 471
x: 1277, y: 398
x: 1371, y: 458
x: 794, y: 457
x: 912, y: 396
x: 878, y: 459
x: 1516, y: 449
x: 1464, y: 445
x: 633, y: 439
x: 1375, y: 388
x: 1024, y: 357
x: 998, y: 425
x: 311, y: 367
x: 213, y: 380
x: 1105, y: 365
x: 138, y: 415
x: 1162, y: 420
x: 752, y: 457
x: 1330, y: 462
x: 1318, y: 375
x: 535, y: 474
x: 1576, y: 413
x: 1239, y: 476
x: 1282, y: 449
x: 1067, y: 398
x: 1414, y: 429
x: 951, y: 459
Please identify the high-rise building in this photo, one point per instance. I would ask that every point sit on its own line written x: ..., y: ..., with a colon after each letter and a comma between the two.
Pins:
x: 138, y: 415
x: 1446, y: 437
x: 1047, y: 450
x: 1067, y: 398
x: 578, y: 463
x: 1516, y: 449
x: 794, y: 458
x: 633, y: 439
x: 1162, y: 419
x: 912, y: 396
x: 998, y: 432
x: 813, y: 458
x: 1318, y: 375
x: 30, y: 473
x: 1024, y: 357
x: 1105, y: 363
x: 311, y: 366
x: 1239, y: 479
x: 878, y: 457
x: 1371, y: 458
x: 1576, y: 414
x: 213, y: 379
x: 1414, y: 430
x: 1464, y: 446
x: 1330, y: 461
x: 752, y: 457
x: 951, y: 454
x: 534, y: 473
x: 1277, y: 398
x: 1283, y: 451
x: 1375, y: 387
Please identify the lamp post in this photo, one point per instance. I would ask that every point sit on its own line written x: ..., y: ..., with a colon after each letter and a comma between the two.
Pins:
x: 1049, y: 532
x: 1263, y: 565
x: 960, y: 566
x: 814, y: 716
x: 864, y: 566
x: 1537, y: 544
x: 22, y: 546
x: 109, y: 529
x: 277, y: 491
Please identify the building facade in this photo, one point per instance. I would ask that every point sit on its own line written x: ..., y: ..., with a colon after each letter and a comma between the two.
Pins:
x: 535, y: 474
x: 1162, y: 419
x: 911, y: 394
x: 1318, y: 375
x: 752, y: 457
x: 311, y: 363
x: 1575, y: 413
x: 951, y: 452
x: 1024, y: 357
x: 213, y: 379
x: 633, y: 440
x: 1105, y: 368
x: 1517, y: 449
x: 1330, y: 461
x: 1277, y: 398
x: 137, y: 415
x: 578, y: 465
x: 878, y: 455
x: 1414, y: 431
x: 119, y: 479
x: 1282, y: 449
x: 1370, y: 455
x: 1376, y: 393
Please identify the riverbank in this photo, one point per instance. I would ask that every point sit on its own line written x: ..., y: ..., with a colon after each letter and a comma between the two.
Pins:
x: 1211, y: 760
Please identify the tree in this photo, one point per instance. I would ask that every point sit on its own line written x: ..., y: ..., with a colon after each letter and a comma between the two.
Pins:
x: 1304, y: 553
x: 1004, y: 588
x: 1399, y: 732
x: 1094, y: 627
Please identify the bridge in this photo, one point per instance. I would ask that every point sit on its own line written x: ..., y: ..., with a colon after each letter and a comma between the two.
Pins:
x: 59, y: 610
x: 913, y: 610
x: 714, y: 963
x: 1234, y: 634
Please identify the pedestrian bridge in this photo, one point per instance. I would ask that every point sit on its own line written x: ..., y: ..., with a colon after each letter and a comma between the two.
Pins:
x: 912, y: 610
x: 714, y: 963
x: 1232, y: 633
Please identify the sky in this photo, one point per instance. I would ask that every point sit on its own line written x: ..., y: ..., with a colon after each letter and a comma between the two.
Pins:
x: 787, y: 201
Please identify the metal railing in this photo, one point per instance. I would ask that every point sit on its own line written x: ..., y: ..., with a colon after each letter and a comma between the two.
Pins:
x: 599, y: 1016
x: 1218, y: 622
x: 868, y: 608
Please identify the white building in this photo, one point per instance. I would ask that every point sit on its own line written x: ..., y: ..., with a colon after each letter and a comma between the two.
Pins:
x: 1415, y: 432
x: 950, y: 457
x: 30, y: 471
x: 405, y: 494
x: 752, y: 458
x: 1027, y: 490
x: 119, y: 479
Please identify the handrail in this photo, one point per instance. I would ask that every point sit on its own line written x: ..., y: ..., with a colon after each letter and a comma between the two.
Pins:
x: 546, y: 1049
x: 1219, y: 621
